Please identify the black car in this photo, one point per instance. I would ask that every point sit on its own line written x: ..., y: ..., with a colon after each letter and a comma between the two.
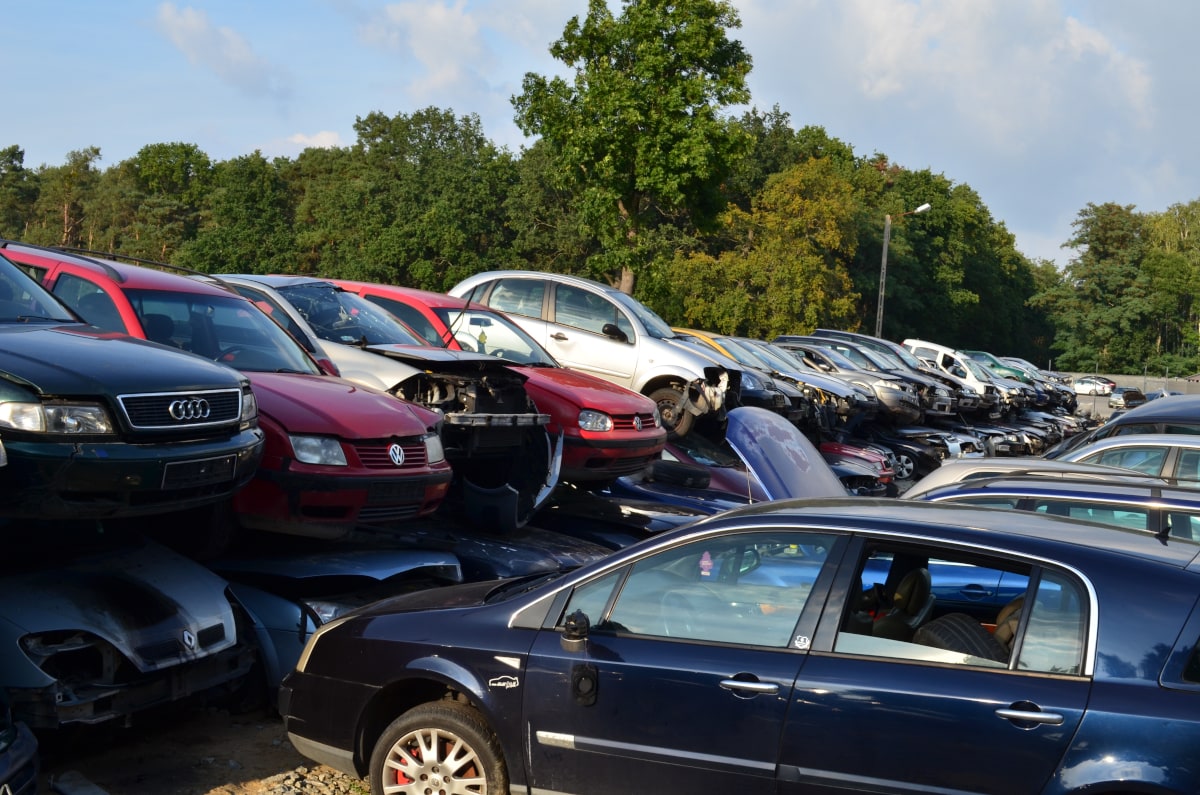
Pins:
x: 1172, y: 414
x: 832, y: 645
x: 97, y: 424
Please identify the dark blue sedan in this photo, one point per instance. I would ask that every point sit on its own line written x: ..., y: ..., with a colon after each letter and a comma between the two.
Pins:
x: 744, y: 654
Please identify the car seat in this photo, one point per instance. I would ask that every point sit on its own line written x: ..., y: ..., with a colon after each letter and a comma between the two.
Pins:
x: 159, y: 328
x: 912, y: 604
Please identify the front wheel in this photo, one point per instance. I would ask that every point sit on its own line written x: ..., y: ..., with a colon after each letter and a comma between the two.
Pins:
x: 906, y: 466
x: 443, y: 747
x: 677, y: 420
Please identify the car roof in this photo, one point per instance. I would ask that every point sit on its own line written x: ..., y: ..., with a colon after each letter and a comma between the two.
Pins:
x: 560, y: 278
x: 1024, y: 532
x: 1166, y: 408
x: 427, y: 297
x: 960, y: 471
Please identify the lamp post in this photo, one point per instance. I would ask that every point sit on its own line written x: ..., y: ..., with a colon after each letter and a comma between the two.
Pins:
x: 887, y: 237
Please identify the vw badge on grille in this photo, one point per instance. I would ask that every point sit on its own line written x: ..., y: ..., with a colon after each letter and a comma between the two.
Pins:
x: 189, y: 640
x: 190, y: 409
x: 637, y: 422
x: 396, y: 453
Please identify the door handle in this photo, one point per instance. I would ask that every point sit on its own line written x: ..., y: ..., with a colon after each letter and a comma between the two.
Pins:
x: 1031, y: 716
x: 750, y: 687
x: 558, y: 335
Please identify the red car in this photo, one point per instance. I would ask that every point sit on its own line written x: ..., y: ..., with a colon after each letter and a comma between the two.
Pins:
x: 336, y: 455
x: 608, y: 430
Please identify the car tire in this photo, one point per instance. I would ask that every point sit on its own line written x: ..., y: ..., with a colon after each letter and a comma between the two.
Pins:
x: 961, y: 633
x: 906, y: 466
x: 675, y: 419
x: 422, y: 739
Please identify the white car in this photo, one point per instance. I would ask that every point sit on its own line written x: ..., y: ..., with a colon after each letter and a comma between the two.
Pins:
x: 600, y: 330
x: 1092, y: 385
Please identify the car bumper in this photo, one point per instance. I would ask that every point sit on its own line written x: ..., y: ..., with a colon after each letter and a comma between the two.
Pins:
x: 19, y: 764
x: 115, y: 479
x: 324, y: 505
x: 587, y: 458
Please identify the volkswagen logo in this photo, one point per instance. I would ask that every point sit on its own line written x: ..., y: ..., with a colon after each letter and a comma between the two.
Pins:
x: 189, y: 409
x: 637, y: 422
x: 396, y: 453
x: 189, y: 640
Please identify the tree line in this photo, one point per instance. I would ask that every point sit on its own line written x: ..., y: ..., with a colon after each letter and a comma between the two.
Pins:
x: 637, y: 175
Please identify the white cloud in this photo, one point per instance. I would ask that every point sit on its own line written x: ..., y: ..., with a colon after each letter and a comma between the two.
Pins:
x: 222, y: 51
x: 325, y: 139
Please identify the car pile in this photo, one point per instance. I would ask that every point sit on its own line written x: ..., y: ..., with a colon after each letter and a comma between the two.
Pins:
x: 238, y: 480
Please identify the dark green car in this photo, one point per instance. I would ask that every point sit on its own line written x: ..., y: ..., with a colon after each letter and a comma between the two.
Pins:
x: 100, y: 425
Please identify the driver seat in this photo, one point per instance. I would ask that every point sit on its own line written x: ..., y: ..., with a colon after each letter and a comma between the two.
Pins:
x: 912, y: 604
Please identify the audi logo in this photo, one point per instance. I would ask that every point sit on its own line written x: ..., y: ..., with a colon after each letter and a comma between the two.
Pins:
x: 396, y: 453
x: 190, y: 409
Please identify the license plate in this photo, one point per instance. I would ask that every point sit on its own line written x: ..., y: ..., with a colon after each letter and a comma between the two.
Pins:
x: 184, y: 474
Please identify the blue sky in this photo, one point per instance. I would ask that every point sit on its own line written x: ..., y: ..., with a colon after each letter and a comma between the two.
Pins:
x: 1041, y: 106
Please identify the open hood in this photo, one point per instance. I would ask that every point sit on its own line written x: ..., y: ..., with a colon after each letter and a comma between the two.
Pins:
x: 782, y: 458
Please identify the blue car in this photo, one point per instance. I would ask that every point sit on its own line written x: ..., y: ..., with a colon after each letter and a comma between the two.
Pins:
x: 742, y: 653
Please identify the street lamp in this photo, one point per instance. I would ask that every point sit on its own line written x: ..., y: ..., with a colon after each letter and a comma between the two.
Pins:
x: 887, y: 236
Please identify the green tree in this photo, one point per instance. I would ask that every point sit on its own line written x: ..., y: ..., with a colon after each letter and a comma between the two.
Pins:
x: 57, y: 217
x: 18, y: 191
x: 787, y: 275
x: 637, y: 135
x: 247, y: 225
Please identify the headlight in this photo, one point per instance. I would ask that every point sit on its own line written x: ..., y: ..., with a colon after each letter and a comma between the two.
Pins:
x: 326, y: 611
x: 590, y: 420
x: 657, y: 418
x: 434, y: 452
x: 249, y: 409
x: 318, y: 450
x: 890, y: 384
x: 61, y: 418
x: 751, y: 381
x: 943, y: 392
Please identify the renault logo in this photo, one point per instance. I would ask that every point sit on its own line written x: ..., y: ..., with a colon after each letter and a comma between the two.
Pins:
x: 396, y: 453
x: 189, y: 640
x: 190, y: 409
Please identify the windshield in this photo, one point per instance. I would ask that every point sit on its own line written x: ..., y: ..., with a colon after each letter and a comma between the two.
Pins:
x: 484, y: 331
x: 22, y: 299
x: 977, y: 369
x: 655, y: 326
x: 783, y: 362
x: 346, y: 318
x: 230, y: 330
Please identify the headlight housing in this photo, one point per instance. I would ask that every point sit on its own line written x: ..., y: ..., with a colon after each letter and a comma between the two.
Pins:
x: 751, y: 381
x: 591, y: 420
x: 434, y: 451
x: 249, y: 410
x: 58, y: 418
x: 318, y: 450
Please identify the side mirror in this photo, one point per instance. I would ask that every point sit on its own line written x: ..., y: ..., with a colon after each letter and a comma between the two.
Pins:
x: 575, y: 632
x: 611, y: 330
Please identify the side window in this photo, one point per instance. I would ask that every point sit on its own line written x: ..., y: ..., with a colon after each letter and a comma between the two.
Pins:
x: 748, y: 589
x: 1142, y: 459
x: 1187, y: 471
x: 276, y: 312
x: 1130, y: 517
x: 93, y: 304
x: 1054, y: 637
x: 518, y: 296
x: 929, y: 605
x: 582, y: 309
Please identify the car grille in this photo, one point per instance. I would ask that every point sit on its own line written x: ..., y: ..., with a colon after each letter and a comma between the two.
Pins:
x: 161, y: 411
x: 169, y: 650
x: 376, y: 454
x: 626, y: 422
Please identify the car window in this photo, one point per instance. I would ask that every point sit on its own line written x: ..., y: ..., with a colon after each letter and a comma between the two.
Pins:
x: 1143, y: 459
x: 1187, y: 428
x: 943, y: 607
x: 1130, y: 517
x: 90, y: 301
x: 1187, y: 471
x: 411, y: 317
x: 747, y: 589
x: 518, y: 296
x: 275, y: 310
x: 585, y: 310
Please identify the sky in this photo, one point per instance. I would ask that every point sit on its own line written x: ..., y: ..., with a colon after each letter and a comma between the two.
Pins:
x: 1041, y: 106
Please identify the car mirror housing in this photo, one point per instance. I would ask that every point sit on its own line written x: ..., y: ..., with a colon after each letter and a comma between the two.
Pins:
x: 575, y: 632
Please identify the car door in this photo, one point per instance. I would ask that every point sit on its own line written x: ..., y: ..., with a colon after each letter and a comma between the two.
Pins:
x: 949, y: 707
x: 575, y: 335
x: 684, y: 681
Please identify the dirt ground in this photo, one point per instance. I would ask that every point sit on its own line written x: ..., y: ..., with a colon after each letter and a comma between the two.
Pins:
x: 188, y: 751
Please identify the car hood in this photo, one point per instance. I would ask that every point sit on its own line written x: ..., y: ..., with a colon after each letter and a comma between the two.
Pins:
x: 60, y: 360
x: 325, y: 405
x: 443, y: 360
x: 158, y: 608
x: 584, y: 390
x: 365, y: 564
x: 775, y: 451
